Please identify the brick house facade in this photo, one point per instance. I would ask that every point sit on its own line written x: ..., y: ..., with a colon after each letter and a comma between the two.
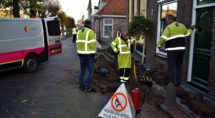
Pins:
x: 110, y: 17
x: 187, y: 13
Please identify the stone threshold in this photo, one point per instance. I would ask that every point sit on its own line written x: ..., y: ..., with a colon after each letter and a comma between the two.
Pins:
x: 180, y: 111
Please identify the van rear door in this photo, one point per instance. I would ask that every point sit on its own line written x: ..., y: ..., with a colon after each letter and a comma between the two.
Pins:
x: 53, y: 35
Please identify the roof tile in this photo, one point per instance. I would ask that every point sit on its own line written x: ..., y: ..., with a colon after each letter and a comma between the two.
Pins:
x: 114, y: 7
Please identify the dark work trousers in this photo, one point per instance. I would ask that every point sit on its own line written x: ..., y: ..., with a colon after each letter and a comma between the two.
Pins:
x: 175, y: 60
x: 74, y: 38
x: 124, y: 74
x: 87, y: 70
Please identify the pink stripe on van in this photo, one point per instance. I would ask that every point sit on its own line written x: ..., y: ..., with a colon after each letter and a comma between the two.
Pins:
x: 18, y: 55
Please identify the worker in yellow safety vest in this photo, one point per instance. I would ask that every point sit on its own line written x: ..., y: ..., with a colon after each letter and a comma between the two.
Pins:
x: 173, y: 37
x: 122, y: 47
x: 86, y: 49
x: 74, y: 34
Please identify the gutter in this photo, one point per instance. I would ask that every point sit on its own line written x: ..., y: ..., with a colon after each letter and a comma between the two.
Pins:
x: 115, y: 16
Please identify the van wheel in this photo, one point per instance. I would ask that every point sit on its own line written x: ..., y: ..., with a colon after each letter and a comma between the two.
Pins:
x: 31, y: 63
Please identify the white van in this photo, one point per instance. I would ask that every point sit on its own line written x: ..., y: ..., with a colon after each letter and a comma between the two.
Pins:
x: 28, y: 42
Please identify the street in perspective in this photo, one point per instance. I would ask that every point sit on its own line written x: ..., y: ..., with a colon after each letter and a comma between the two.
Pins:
x: 51, y: 92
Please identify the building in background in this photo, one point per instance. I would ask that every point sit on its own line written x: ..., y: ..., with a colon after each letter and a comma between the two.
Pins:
x: 199, y: 59
x: 89, y: 10
x: 108, y: 18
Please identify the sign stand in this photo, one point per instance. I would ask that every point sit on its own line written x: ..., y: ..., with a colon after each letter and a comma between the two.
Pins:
x: 119, y: 106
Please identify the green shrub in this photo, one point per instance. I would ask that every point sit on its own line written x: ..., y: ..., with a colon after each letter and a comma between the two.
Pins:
x: 139, y: 26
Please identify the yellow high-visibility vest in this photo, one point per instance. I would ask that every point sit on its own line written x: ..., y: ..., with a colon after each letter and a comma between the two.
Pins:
x: 86, y: 41
x: 174, y: 37
x: 124, y: 53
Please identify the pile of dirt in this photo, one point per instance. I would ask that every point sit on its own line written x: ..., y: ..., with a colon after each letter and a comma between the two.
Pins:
x: 194, y: 101
x: 109, y: 81
x: 155, y: 76
x: 160, y: 78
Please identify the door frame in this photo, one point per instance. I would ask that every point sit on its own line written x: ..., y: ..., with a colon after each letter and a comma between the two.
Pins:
x: 190, y: 63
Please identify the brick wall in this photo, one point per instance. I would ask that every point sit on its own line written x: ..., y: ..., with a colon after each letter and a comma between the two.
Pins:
x: 212, y: 63
x: 184, y: 16
x: 96, y: 27
x: 118, y: 23
x: 151, y: 58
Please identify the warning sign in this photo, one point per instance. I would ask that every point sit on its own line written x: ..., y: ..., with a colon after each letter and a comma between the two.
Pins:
x: 119, y: 106
x: 119, y: 102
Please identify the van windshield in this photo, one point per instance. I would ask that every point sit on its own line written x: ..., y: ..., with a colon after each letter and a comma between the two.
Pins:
x: 53, y: 28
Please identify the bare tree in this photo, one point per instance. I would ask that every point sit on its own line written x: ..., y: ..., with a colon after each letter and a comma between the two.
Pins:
x: 63, y: 21
x: 52, y: 6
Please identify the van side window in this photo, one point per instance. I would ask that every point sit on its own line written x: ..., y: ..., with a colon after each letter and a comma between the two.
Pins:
x: 53, y: 28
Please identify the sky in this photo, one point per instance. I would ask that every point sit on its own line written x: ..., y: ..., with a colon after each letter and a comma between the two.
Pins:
x: 76, y: 8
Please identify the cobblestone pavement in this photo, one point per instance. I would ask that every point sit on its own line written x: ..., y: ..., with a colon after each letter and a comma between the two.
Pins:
x: 51, y: 92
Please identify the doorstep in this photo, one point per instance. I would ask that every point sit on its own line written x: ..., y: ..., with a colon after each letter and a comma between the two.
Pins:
x: 173, y: 112
x: 180, y: 111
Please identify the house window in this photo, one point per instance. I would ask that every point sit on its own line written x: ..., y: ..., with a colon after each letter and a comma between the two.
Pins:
x: 200, y: 2
x: 164, y: 10
x: 107, y: 28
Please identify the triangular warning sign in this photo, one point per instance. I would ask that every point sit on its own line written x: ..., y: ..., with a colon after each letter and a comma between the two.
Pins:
x: 119, y: 106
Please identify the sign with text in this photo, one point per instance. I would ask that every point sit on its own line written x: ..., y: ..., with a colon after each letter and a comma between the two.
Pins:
x: 119, y: 106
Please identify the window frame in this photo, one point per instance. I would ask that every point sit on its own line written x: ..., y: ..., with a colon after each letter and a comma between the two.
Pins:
x: 161, y: 2
x: 107, y: 25
x: 198, y: 2
x: 50, y: 29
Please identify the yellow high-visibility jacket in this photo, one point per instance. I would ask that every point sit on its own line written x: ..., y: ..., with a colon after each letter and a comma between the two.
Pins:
x: 86, y: 41
x: 174, y: 37
x: 123, y: 49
